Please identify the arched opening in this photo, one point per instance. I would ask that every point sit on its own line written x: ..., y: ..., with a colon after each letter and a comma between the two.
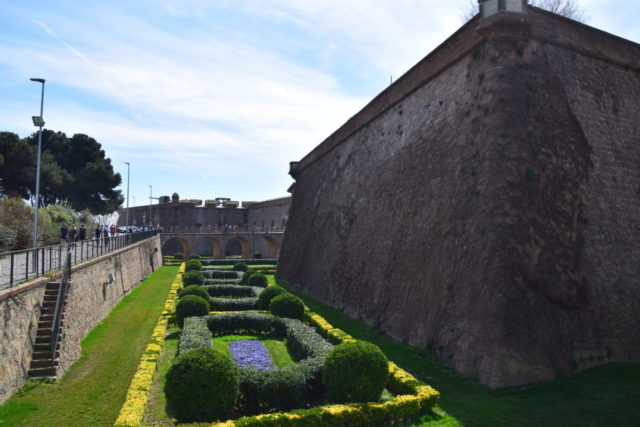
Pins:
x: 268, y: 247
x: 176, y: 244
x: 203, y: 247
x: 238, y: 246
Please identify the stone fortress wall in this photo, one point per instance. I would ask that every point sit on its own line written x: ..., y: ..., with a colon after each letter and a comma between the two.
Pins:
x: 486, y: 205
x: 192, y: 215
x: 91, y: 297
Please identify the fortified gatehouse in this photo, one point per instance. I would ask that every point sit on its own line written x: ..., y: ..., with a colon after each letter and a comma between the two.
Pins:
x: 486, y: 205
x: 215, y: 227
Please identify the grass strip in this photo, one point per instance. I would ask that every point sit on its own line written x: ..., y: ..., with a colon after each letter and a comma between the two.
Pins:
x: 602, y: 396
x: 94, y: 388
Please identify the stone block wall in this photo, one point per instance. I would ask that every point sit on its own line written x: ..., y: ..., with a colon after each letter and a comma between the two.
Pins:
x: 90, y: 299
x: 484, y: 207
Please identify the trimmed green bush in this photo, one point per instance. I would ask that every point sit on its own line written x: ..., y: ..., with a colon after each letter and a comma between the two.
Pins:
x: 221, y: 274
x: 194, y: 256
x: 195, y: 290
x: 191, y: 305
x: 193, y: 264
x: 247, y: 275
x: 268, y: 391
x: 178, y: 256
x: 202, y: 385
x: 240, y: 266
x: 258, y: 279
x: 193, y: 277
x: 233, y: 304
x: 257, y: 255
x: 195, y: 334
x: 233, y: 291
x: 355, y: 372
x: 287, y: 305
x: 267, y: 295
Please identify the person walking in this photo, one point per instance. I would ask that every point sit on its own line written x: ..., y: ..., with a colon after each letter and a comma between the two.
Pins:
x: 73, y: 234
x: 105, y: 235
x: 64, y: 231
x: 82, y: 233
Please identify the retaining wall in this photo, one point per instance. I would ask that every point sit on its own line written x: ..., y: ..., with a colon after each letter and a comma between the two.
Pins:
x: 90, y: 299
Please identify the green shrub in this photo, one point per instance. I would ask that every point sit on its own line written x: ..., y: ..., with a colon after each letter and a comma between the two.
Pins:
x: 287, y: 305
x: 233, y: 291
x: 355, y: 372
x: 267, y: 295
x: 195, y: 334
x: 258, y: 279
x: 240, y: 266
x: 191, y: 305
x: 195, y: 290
x: 257, y: 255
x: 202, y: 385
x: 218, y: 274
x: 247, y: 275
x: 195, y: 256
x: 193, y: 277
x: 193, y: 264
x: 178, y: 256
x: 233, y: 304
x: 268, y: 391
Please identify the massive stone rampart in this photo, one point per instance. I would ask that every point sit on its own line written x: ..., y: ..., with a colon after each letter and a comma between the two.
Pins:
x: 91, y: 297
x: 485, y: 206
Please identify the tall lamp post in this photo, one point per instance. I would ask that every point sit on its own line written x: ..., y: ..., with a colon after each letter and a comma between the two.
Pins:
x: 37, y: 121
x: 127, y: 215
x: 150, y: 201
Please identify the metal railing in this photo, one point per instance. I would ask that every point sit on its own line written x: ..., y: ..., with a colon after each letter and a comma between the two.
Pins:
x: 57, y: 315
x: 224, y: 230
x: 20, y: 266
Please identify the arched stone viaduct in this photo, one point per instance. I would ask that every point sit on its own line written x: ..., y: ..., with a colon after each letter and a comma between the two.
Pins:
x: 268, y: 244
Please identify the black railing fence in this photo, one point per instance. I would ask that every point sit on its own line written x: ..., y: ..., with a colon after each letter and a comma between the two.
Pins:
x: 21, y: 266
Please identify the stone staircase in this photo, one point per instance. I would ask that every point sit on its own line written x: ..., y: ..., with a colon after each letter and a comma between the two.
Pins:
x: 42, y: 365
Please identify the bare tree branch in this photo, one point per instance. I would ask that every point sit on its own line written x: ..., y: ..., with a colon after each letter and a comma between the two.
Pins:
x: 567, y: 8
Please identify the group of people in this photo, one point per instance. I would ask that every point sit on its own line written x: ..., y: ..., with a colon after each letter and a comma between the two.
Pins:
x: 75, y: 234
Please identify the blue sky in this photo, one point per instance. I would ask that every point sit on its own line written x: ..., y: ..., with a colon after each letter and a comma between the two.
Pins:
x: 215, y: 98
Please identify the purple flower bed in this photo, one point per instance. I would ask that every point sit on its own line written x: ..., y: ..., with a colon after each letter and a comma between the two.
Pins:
x: 251, y: 354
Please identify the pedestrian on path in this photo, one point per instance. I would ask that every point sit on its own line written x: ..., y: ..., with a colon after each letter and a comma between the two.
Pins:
x: 64, y: 231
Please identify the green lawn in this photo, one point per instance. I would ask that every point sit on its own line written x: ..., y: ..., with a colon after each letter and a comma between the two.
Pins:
x: 93, y: 390
x: 603, y: 396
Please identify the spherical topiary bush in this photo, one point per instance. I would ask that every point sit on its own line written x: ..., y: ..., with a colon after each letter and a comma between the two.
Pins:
x: 191, y: 305
x: 194, y: 256
x: 193, y: 277
x: 240, y: 266
x: 193, y: 264
x: 177, y: 256
x: 287, y: 305
x: 355, y: 372
x: 267, y: 294
x: 195, y: 290
x: 247, y: 275
x: 258, y: 279
x: 202, y: 385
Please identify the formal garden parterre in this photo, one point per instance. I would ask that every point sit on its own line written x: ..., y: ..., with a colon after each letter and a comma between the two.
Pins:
x: 223, y: 374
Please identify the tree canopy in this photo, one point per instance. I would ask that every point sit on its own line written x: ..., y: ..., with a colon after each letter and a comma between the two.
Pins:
x: 73, y: 170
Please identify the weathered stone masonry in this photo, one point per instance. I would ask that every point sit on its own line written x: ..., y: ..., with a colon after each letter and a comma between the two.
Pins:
x: 90, y: 299
x: 486, y: 205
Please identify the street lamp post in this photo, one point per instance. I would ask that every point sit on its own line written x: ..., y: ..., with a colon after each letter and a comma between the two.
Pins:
x: 150, y: 201
x: 37, y: 121
x: 127, y: 215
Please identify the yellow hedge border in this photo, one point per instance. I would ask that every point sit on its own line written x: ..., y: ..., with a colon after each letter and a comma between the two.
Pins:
x: 415, y: 396
x: 135, y: 404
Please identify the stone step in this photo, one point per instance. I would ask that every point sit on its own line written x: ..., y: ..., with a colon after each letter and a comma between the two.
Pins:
x: 42, y: 373
x: 43, y: 355
x: 35, y: 364
x: 43, y: 347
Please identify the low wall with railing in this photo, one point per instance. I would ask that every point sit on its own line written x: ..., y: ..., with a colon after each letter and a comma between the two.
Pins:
x: 96, y: 287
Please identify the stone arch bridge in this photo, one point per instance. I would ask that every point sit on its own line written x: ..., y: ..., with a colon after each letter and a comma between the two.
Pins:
x: 220, y: 244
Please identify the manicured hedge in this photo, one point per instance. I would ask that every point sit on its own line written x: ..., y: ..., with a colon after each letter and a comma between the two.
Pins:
x: 233, y: 290
x: 233, y: 304
x: 219, y: 274
x: 222, y: 281
x: 195, y: 333
x: 303, y: 379
x: 246, y: 261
